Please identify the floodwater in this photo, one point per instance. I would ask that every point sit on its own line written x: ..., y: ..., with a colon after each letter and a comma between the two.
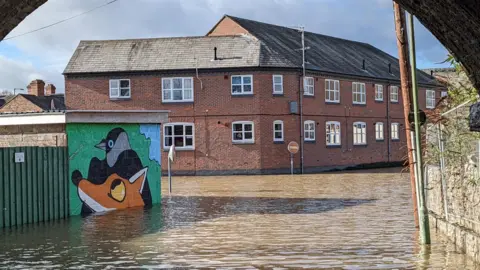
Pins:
x: 353, y: 220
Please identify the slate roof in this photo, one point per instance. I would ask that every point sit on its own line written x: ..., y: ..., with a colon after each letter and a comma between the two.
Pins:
x: 270, y: 46
x: 163, y: 54
x: 47, y: 103
x: 326, y: 53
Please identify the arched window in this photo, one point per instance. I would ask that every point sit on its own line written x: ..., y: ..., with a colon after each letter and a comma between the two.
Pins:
x: 359, y: 133
x: 332, y: 131
x: 278, y: 131
x: 309, y: 130
x: 379, y: 131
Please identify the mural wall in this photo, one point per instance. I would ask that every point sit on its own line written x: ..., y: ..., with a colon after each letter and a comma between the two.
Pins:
x: 113, y: 166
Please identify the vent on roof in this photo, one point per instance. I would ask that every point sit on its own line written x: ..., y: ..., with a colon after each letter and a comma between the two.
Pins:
x: 390, y: 68
x: 215, y: 54
x: 363, y: 65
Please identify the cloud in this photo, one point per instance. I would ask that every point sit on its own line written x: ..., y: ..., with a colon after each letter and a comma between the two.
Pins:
x: 49, y: 50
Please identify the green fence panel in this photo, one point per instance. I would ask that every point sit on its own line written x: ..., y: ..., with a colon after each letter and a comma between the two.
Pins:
x: 35, y: 189
x: 6, y: 188
x: 2, y: 188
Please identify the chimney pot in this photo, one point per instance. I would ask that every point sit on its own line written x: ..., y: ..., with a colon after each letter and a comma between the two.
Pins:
x: 36, y: 88
x: 50, y: 89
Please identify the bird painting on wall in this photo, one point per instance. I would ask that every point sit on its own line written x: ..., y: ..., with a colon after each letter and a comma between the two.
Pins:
x: 120, y: 159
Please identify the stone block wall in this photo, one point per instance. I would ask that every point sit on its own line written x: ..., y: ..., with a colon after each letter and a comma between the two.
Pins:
x: 33, y: 135
x: 462, y: 223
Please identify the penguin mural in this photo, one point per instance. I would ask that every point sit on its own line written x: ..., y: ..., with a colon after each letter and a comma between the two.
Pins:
x: 118, y: 181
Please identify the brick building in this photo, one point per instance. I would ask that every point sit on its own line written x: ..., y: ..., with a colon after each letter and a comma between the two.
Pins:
x: 234, y: 96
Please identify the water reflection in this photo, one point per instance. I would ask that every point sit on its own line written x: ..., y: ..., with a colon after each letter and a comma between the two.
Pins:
x: 340, y: 220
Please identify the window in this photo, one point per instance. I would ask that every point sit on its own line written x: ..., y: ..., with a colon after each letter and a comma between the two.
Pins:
x: 359, y: 133
x: 378, y: 92
x: 309, y: 86
x: 393, y: 93
x: 278, y: 131
x: 444, y: 94
x: 119, y: 88
x: 309, y: 131
x: 359, y: 95
x: 430, y: 99
x: 242, y: 85
x: 277, y: 84
x: 395, y: 131
x: 180, y: 134
x: 177, y: 89
x: 333, y: 133
x: 379, y: 131
x: 332, y: 91
x: 242, y: 132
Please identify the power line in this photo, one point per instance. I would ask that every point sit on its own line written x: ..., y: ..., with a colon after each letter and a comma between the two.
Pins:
x: 61, y: 21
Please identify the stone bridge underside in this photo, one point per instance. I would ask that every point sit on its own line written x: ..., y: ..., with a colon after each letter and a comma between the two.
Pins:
x: 456, y: 23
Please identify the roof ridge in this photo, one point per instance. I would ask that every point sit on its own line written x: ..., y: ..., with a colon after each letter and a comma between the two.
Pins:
x: 161, y: 38
x: 291, y: 28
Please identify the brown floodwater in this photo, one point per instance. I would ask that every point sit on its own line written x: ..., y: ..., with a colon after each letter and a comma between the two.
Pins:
x: 347, y: 220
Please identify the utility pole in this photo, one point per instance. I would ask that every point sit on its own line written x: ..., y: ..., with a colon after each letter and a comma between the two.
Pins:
x: 423, y: 212
x: 302, y: 92
x: 402, y: 44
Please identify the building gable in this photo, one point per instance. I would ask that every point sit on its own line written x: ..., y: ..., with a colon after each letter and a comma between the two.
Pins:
x: 20, y: 104
x: 227, y: 27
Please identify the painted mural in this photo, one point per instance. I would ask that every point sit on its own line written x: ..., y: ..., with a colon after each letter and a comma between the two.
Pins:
x: 113, y: 166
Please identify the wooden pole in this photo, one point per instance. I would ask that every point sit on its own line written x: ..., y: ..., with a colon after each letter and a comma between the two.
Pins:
x: 402, y: 44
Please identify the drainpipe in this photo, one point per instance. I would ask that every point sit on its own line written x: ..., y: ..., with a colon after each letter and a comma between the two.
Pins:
x: 301, y: 121
x: 389, y: 132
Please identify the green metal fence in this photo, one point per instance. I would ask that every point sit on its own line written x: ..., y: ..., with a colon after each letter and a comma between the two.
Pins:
x: 35, y: 188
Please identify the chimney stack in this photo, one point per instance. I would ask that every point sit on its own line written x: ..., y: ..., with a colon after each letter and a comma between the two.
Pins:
x: 36, y: 88
x: 50, y: 90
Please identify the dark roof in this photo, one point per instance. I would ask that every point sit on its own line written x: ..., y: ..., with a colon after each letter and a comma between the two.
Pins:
x: 47, y: 103
x: 267, y: 46
x: 163, y: 54
x: 326, y: 53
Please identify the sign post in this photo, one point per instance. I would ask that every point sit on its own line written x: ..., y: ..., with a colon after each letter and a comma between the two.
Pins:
x: 171, y: 157
x: 293, y: 149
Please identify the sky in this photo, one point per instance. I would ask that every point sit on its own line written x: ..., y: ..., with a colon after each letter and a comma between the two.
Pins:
x: 45, y: 54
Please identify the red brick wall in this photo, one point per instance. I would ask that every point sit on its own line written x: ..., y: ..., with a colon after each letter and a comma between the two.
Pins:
x: 215, y: 109
x: 227, y: 27
x: 20, y: 104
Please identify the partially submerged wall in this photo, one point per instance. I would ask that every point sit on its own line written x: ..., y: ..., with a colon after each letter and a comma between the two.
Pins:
x: 113, y: 166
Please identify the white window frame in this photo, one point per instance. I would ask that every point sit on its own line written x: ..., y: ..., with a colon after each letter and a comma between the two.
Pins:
x: 359, y: 89
x: 172, y: 89
x: 379, y: 92
x: 278, y: 122
x: 305, y: 130
x: 444, y: 94
x: 309, y: 89
x: 335, y: 91
x: 379, y: 131
x: 394, y: 87
x: 172, y: 125
x: 362, y: 133
x: 277, y: 84
x: 333, y: 132
x: 395, y: 132
x: 243, y: 141
x: 242, y: 84
x: 430, y: 100
x: 119, y: 88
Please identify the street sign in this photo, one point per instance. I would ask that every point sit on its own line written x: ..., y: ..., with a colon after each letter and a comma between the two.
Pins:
x: 293, y: 147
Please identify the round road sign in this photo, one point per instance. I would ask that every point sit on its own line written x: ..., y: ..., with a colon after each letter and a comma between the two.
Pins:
x: 293, y: 147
